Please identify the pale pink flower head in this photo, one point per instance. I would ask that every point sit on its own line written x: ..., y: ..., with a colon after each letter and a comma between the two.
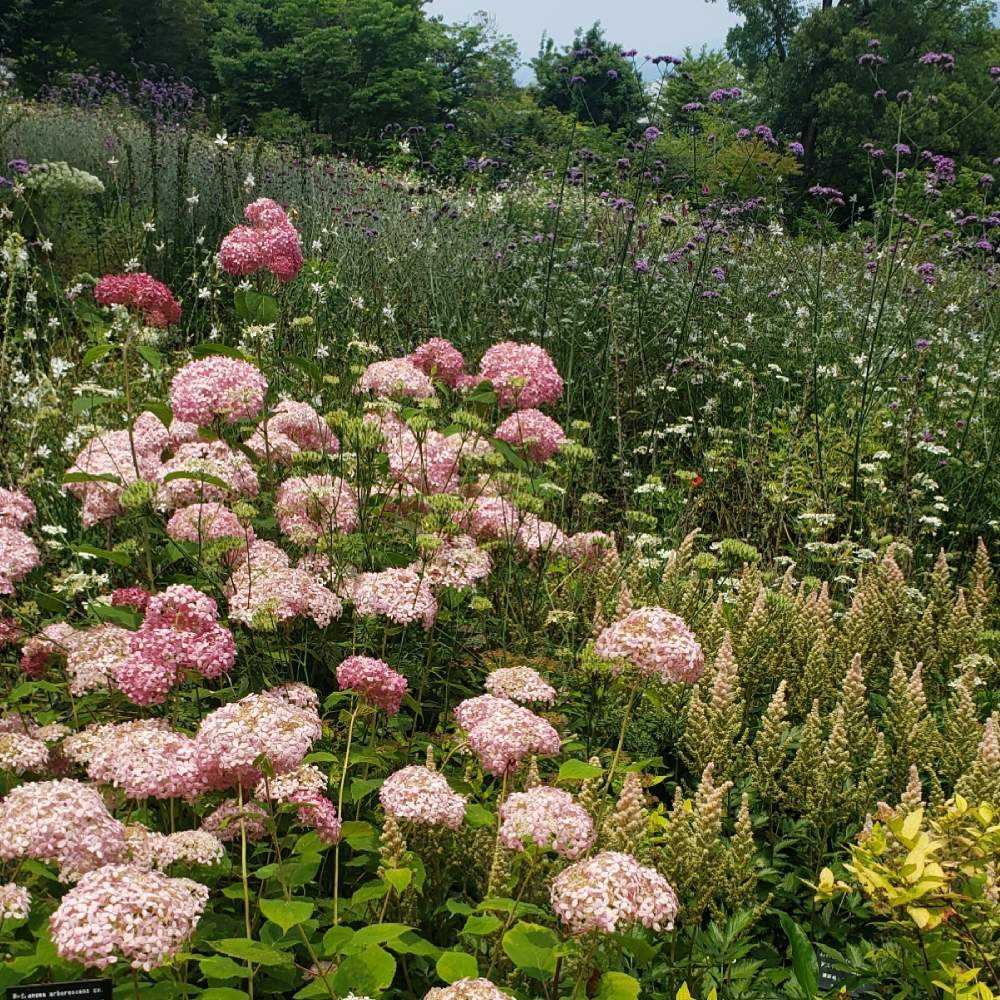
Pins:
x: 225, y: 822
x: 396, y: 378
x: 20, y: 753
x: 18, y: 557
x: 292, y: 428
x: 15, y: 902
x: 422, y: 796
x: 657, y: 643
x: 549, y: 819
x: 456, y: 563
x: 206, y: 522
x: 612, y: 891
x: 296, y: 693
x: 427, y: 465
x: 16, y: 509
x: 533, y: 433
x: 591, y: 548
x: 522, y: 375
x: 130, y: 597
x: 265, y: 212
x: 489, y: 518
x: 540, y: 538
x: 142, y: 293
x: 232, y: 737
x: 306, y: 779
x: 63, y: 822
x: 217, y: 387
x: 94, y: 656
x: 127, y: 913
x: 198, y: 459
x: 502, y: 733
x: 375, y: 680
x: 467, y: 989
x: 320, y: 814
x: 439, y: 359
x: 401, y: 595
x: 520, y: 684
x: 313, y: 507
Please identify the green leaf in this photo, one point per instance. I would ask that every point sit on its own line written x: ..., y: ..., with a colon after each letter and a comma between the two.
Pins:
x: 201, y: 477
x: 95, y: 353
x: 160, y: 410
x: 251, y: 951
x: 337, y: 939
x: 532, y: 948
x: 370, y: 971
x: 453, y: 965
x: 204, y: 349
x: 90, y: 477
x: 482, y: 924
x: 398, y: 878
x: 286, y: 913
x: 578, y: 770
x: 617, y: 986
x: 151, y: 356
x: 224, y: 993
x: 377, y: 934
x: 84, y: 403
x: 120, y: 558
x: 221, y: 967
x: 804, y: 963
x: 477, y: 815
x: 511, y: 455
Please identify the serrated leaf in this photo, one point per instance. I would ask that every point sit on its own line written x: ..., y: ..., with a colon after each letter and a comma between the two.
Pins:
x: 578, y: 770
x: 251, y: 951
x: 286, y: 913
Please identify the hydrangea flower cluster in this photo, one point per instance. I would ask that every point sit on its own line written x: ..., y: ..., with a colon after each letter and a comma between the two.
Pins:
x: 63, y: 822
x: 489, y: 518
x: 227, y: 819
x: 141, y: 292
x: 375, y: 680
x: 313, y: 507
x: 16, y: 509
x: 206, y: 522
x: 419, y: 795
x: 502, y: 734
x: 467, y: 989
x: 520, y: 684
x: 320, y: 814
x: 610, y: 892
x: 440, y: 359
x: 126, y: 912
x: 196, y: 459
x: 269, y: 243
x: 401, y: 595
x: 217, y: 388
x: 232, y: 737
x: 179, y: 632
x: 94, y: 656
x: 426, y: 465
x: 396, y: 378
x: 523, y: 375
x: 657, y: 643
x: 457, y: 563
x: 548, y: 818
x: 531, y: 431
x: 15, y: 902
x: 149, y: 849
x: 20, y: 753
x: 292, y: 428
x: 18, y: 557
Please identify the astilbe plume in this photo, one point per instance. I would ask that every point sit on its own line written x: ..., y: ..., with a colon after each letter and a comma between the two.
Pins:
x: 457, y: 562
x: 217, y: 388
x: 204, y: 458
x: 982, y: 782
x: 438, y: 358
x: 128, y: 913
x: 63, y: 822
x: 502, y: 734
x: 312, y: 507
x: 657, y: 643
x: 269, y: 243
x: 264, y: 591
x: 139, y: 291
x: 467, y: 989
x: 520, y: 684
x: 15, y: 902
x: 550, y: 819
x: 145, y: 758
x: 523, y: 375
x: 419, y: 795
x: 292, y: 428
x: 375, y: 680
x: 232, y: 737
x: 396, y: 378
x: 401, y: 595
x: 612, y: 891
x: 532, y: 432
x: 625, y: 826
x: 16, y: 509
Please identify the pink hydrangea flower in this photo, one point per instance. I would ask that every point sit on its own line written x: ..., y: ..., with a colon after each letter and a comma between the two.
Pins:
x: 269, y: 243
x: 457, y: 563
x: 208, y: 458
x: 225, y: 821
x: 502, y: 733
x: 520, y: 684
x: 398, y: 594
x: 127, y: 913
x: 20, y: 753
x: 489, y: 518
x: 612, y: 891
x: 548, y: 818
x: 130, y: 597
x: 320, y: 814
x: 15, y: 902
x: 18, y: 557
x: 419, y: 795
x: 428, y: 464
x: 375, y: 680
x: 306, y: 779
x: 591, y: 547
x: 16, y: 509
x: 140, y: 292
x: 438, y: 358
x: 468, y: 989
x: 522, y: 375
x: 217, y: 388
x: 207, y: 522
x: 396, y: 378
x: 292, y: 428
x: 532, y: 432
x: 657, y: 643
x: 94, y: 655
x: 538, y: 537
x: 313, y: 507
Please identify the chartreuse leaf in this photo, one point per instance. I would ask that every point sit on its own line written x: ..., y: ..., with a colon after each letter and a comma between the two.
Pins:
x: 455, y: 965
x: 251, y: 951
x: 617, y: 986
x: 579, y: 770
x: 368, y: 972
x: 224, y: 993
x: 286, y: 913
x: 479, y: 924
x: 804, y: 963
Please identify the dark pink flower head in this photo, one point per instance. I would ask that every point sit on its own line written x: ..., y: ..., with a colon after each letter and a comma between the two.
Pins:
x: 375, y: 680
x: 439, y: 359
x: 269, y: 243
x: 140, y: 292
x: 16, y: 508
x: 265, y: 213
x: 523, y: 375
x: 532, y: 432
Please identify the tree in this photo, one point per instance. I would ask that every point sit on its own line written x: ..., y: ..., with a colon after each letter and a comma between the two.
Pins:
x: 476, y: 61
x: 591, y: 79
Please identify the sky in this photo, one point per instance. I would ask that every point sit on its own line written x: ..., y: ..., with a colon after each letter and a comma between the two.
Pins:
x: 656, y: 27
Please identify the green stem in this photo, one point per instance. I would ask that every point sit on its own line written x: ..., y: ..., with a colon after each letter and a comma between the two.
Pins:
x: 340, y: 812
x: 621, y: 737
x: 246, y: 883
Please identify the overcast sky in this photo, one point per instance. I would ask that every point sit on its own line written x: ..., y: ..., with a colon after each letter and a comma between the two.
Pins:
x: 654, y: 27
